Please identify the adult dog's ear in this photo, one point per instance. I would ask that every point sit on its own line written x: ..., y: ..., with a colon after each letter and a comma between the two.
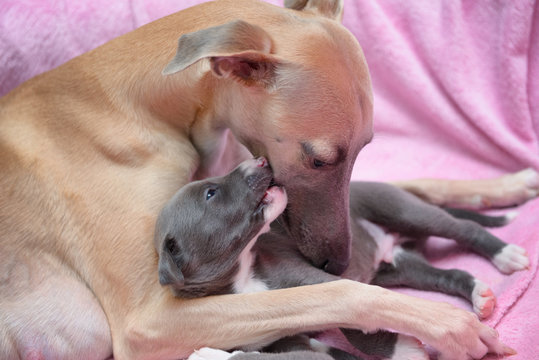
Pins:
x: 236, y: 49
x: 332, y: 9
x: 169, y: 272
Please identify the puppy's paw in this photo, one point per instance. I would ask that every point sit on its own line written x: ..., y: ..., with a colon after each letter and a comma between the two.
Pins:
x: 408, y: 347
x: 483, y: 300
x: 512, y: 258
x: 207, y: 353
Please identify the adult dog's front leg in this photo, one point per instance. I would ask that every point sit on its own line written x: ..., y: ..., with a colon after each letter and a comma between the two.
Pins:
x: 231, y: 321
x: 507, y: 190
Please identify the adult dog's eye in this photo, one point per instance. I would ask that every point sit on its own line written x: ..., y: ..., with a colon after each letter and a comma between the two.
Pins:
x: 318, y: 163
x: 210, y: 193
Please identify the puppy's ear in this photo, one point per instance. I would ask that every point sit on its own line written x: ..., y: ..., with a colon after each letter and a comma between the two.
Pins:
x: 169, y: 272
x: 332, y: 9
x: 236, y: 49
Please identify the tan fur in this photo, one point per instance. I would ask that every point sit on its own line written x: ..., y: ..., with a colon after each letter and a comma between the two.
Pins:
x: 507, y: 190
x: 90, y: 152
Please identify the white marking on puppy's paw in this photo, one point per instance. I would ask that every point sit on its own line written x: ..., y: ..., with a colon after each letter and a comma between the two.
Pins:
x: 512, y: 258
x: 510, y: 216
x: 207, y: 353
x: 483, y: 299
x: 408, y: 347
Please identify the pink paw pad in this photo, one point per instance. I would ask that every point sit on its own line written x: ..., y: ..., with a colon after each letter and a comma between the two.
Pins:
x: 483, y: 300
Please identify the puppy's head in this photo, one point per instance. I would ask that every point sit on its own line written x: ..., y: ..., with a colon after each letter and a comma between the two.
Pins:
x: 202, y: 230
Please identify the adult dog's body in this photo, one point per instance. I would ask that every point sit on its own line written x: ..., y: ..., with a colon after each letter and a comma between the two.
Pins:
x: 90, y: 151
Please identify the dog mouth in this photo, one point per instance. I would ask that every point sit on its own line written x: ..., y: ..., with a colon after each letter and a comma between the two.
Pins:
x: 269, y: 197
x: 272, y: 203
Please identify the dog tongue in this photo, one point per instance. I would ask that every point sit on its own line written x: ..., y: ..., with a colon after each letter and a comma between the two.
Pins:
x: 267, y: 198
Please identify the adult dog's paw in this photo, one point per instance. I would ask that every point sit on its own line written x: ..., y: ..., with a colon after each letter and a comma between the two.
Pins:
x: 207, y: 353
x: 517, y: 188
x: 458, y: 334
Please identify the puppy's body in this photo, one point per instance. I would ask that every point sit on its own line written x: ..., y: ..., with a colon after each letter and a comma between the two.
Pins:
x: 199, y: 232
x: 91, y: 151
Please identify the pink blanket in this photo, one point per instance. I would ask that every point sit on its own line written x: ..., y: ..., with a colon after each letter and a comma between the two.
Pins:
x: 456, y: 95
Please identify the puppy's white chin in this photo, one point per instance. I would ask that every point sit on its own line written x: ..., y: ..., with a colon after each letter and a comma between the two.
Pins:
x: 276, y: 200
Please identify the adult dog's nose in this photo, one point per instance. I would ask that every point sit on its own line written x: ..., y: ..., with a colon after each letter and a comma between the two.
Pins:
x: 335, y: 267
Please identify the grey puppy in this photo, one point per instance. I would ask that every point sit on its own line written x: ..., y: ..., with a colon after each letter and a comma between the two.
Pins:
x: 213, y: 237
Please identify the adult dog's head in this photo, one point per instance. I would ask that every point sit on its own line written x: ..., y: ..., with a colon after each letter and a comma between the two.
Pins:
x: 292, y: 85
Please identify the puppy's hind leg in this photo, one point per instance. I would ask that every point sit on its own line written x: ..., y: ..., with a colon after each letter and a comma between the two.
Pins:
x: 215, y: 354
x: 410, y: 269
x: 302, y: 343
x: 483, y: 220
x: 508, y: 258
x: 386, y: 345
x: 297, y: 347
x: 404, y: 213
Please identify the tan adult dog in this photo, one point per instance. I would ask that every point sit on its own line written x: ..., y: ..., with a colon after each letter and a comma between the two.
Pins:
x: 90, y: 152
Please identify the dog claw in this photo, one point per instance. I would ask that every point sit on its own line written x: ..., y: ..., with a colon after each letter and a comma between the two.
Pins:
x: 508, y: 351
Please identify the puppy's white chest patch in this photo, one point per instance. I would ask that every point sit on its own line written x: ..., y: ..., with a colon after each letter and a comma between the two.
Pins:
x: 251, y: 285
x: 244, y: 281
x: 385, y: 241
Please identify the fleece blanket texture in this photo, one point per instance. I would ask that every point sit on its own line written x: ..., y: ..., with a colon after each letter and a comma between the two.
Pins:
x: 456, y: 88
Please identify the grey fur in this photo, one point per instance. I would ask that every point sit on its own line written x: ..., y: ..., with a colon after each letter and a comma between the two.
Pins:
x: 487, y: 221
x: 200, y: 245
x: 208, y: 243
x: 402, y: 212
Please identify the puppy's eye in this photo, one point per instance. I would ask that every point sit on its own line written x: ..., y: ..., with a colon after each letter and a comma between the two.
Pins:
x: 210, y: 193
x: 318, y: 163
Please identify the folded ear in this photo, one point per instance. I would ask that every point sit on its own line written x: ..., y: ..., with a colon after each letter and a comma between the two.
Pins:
x: 236, y: 49
x: 169, y: 272
x: 332, y: 9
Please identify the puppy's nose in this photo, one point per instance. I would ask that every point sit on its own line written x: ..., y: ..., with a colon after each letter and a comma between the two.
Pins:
x: 261, y: 162
x: 250, y: 166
